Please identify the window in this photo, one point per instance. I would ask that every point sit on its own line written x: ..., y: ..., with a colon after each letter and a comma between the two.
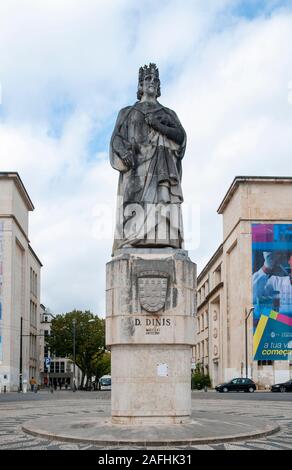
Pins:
x: 52, y: 367
x: 265, y: 363
x: 206, y: 288
x: 217, y: 275
x: 206, y: 319
x: 199, y: 297
x: 57, y: 367
x: 62, y: 367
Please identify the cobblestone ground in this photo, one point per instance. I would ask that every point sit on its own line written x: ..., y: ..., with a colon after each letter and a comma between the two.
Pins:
x: 13, y: 414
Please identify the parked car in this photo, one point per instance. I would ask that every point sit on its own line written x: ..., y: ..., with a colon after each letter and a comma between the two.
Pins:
x: 105, y: 382
x: 237, y: 385
x: 283, y: 387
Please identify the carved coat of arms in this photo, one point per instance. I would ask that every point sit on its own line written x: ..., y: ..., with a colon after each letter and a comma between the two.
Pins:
x: 152, y: 288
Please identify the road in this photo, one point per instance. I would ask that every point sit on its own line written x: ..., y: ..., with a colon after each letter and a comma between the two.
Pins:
x: 16, y: 408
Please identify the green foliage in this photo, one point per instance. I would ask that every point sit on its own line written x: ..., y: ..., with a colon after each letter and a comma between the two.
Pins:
x: 200, y: 380
x: 89, y: 339
x: 102, y: 365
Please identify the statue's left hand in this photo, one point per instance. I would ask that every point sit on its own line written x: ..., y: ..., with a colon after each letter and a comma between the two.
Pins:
x: 152, y: 121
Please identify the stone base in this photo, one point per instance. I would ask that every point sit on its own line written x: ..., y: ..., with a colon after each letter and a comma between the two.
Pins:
x: 203, y: 428
x: 151, y: 384
x: 150, y: 329
x: 150, y: 420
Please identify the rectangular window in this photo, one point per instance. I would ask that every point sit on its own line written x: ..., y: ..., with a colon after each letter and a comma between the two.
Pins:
x: 62, y: 367
x: 57, y: 367
x: 206, y: 319
x: 265, y: 363
x: 52, y: 367
x: 199, y: 297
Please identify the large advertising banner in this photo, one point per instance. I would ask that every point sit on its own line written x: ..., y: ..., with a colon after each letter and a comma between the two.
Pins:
x: 1, y: 287
x: 272, y: 291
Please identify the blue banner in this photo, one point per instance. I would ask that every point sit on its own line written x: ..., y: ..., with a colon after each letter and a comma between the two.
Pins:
x: 272, y: 291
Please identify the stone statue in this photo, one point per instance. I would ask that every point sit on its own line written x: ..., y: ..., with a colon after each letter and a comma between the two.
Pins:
x: 147, y: 146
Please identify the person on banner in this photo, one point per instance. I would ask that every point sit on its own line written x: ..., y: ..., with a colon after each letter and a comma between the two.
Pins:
x: 274, y: 280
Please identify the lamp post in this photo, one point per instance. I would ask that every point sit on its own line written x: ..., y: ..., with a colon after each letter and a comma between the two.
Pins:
x: 20, y: 387
x: 20, y: 357
x: 245, y: 325
x: 74, y: 353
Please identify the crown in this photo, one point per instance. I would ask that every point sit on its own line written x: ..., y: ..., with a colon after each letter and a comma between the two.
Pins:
x: 150, y: 69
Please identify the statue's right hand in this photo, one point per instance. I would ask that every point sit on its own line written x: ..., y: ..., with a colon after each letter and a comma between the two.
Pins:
x: 128, y: 159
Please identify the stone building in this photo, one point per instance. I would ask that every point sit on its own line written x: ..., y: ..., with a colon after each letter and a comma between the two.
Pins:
x: 224, y: 296
x: 19, y: 287
x: 61, y: 369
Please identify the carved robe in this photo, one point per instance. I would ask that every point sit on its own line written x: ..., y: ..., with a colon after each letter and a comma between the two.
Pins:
x: 149, y: 193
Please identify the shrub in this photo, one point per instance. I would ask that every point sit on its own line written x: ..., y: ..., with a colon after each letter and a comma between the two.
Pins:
x: 200, y: 380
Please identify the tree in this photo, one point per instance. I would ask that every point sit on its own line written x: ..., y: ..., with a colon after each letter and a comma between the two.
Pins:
x: 89, y: 339
x: 102, y: 365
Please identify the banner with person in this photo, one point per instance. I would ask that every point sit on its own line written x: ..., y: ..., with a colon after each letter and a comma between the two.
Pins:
x: 272, y: 291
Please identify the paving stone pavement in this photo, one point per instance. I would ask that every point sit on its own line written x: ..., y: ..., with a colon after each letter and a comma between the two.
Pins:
x: 12, y: 415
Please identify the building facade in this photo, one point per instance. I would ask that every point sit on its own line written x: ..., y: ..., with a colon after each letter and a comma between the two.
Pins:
x: 19, y: 287
x: 59, y: 374
x: 225, y: 334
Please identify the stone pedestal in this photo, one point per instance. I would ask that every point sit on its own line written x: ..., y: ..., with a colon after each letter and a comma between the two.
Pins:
x: 150, y: 330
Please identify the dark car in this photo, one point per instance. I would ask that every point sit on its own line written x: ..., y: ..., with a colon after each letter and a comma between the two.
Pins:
x: 237, y: 385
x: 283, y: 387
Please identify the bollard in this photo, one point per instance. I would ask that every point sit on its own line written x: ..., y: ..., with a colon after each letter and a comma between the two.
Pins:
x: 4, y: 388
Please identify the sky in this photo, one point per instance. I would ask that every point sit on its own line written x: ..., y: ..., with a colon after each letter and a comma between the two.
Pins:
x: 68, y: 66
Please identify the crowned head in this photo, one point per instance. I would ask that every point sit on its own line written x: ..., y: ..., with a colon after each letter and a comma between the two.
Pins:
x: 148, y: 73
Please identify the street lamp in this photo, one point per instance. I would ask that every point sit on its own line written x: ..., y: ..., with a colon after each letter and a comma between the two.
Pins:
x: 245, y: 325
x: 74, y: 353
x: 20, y: 357
x: 20, y: 386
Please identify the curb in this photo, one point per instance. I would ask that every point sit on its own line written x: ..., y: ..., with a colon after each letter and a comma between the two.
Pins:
x: 270, y: 429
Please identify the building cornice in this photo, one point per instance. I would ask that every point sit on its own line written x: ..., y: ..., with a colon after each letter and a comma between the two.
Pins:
x: 11, y: 216
x: 250, y: 179
x: 35, y: 256
x: 211, y: 261
x: 211, y: 293
x: 13, y: 175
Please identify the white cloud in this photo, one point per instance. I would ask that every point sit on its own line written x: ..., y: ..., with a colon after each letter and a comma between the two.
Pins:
x: 227, y: 78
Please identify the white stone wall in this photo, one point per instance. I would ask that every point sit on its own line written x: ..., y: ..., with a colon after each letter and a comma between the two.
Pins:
x: 15, y: 295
